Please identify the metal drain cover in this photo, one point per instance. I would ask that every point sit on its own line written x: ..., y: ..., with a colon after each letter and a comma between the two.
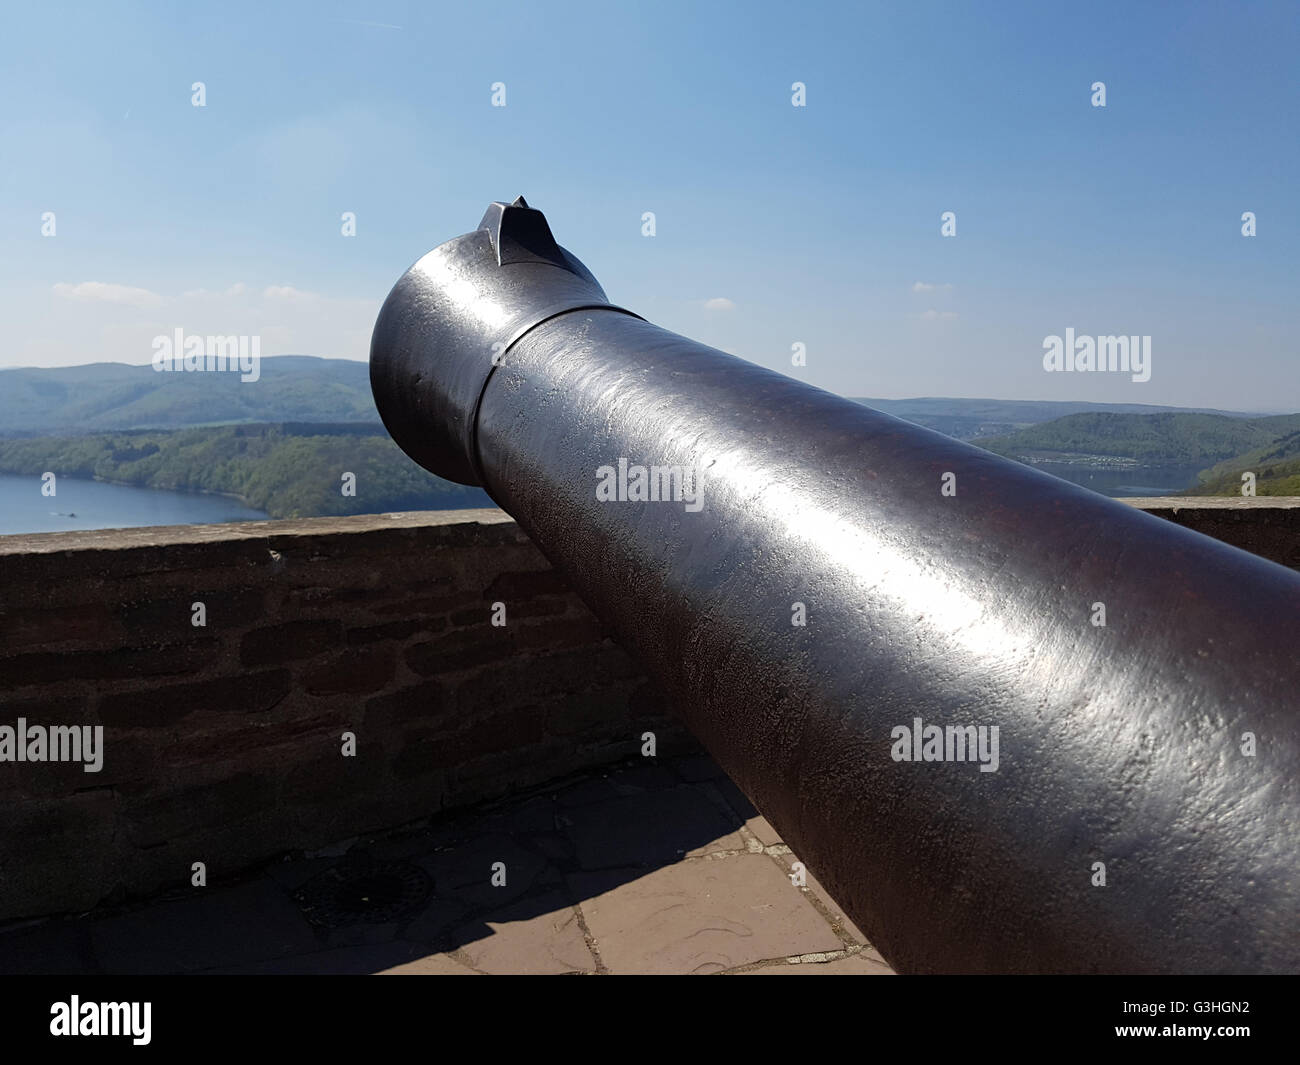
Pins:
x: 363, y: 893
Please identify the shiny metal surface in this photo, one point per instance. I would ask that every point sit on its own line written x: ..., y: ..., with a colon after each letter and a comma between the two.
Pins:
x: 1118, y: 746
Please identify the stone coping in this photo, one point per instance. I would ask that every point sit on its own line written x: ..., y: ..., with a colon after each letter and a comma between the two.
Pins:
x: 1214, y: 502
x: 166, y: 535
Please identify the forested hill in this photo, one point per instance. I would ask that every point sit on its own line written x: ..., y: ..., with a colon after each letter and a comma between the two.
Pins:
x: 110, y: 395
x: 177, y: 430
x: 975, y: 419
x: 1276, y: 467
x: 301, y: 388
x: 290, y: 471
x: 1173, y: 439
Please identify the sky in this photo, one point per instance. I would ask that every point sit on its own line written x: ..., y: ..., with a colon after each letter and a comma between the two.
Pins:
x: 775, y: 225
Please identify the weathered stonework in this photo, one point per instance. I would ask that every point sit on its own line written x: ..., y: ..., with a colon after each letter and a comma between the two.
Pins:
x: 222, y: 743
x: 1264, y: 525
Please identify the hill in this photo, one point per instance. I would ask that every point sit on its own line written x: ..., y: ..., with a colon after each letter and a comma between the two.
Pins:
x: 1276, y: 467
x: 1137, y: 440
x: 300, y: 388
x: 137, y: 426
x: 970, y: 419
x: 289, y: 471
x: 109, y: 395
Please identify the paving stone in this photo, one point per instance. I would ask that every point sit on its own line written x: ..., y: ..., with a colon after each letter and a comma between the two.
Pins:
x: 598, y: 789
x: 737, y: 801
x: 533, y: 937
x: 404, y: 847
x: 454, y: 828
x: 854, y: 965
x: 430, y: 965
x: 650, y: 829
x: 291, y: 875
x: 253, y: 921
x: 763, y: 831
x: 699, y: 916
x: 649, y: 910
x: 697, y: 767
x: 464, y: 872
x: 431, y: 924
x: 730, y: 842
x: 735, y: 798
x: 534, y: 815
x: 642, y: 778
x: 555, y: 845
x: 51, y: 948
x: 342, y: 961
x: 336, y: 849
x: 814, y: 886
x: 361, y: 934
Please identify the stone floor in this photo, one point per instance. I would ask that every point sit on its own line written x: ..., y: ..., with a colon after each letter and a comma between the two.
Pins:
x: 652, y: 868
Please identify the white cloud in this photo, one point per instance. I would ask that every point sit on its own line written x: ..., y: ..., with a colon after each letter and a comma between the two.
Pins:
x: 69, y: 325
x: 104, y: 292
x: 237, y: 289
x: 288, y: 294
x: 719, y: 303
x: 925, y: 286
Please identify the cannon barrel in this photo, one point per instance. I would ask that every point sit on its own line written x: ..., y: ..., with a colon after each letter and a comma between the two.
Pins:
x: 1011, y: 725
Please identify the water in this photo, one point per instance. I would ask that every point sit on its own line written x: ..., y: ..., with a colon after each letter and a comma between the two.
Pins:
x: 95, y: 505
x: 1153, y: 481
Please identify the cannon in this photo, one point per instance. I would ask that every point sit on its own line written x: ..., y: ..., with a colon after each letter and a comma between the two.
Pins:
x: 1013, y: 726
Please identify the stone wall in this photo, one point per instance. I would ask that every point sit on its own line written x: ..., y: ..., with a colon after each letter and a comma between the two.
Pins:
x: 1263, y: 525
x: 223, y: 743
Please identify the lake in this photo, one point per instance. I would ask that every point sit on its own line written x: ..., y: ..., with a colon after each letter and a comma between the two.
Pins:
x: 95, y: 505
x: 1151, y: 481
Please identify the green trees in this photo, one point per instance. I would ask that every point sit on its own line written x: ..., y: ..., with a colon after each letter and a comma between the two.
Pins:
x: 287, y: 470
x: 1268, y: 447
x: 1173, y: 439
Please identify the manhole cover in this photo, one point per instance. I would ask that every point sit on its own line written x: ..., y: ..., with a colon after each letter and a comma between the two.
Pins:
x: 368, y: 893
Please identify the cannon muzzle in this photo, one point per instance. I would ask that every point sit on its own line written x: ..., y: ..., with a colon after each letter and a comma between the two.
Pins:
x: 1012, y: 725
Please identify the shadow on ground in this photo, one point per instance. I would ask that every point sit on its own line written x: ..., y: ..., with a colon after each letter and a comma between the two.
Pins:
x: 657, y: 867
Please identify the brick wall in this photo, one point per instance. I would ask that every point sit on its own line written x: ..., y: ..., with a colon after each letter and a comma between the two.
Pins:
x: 1265, y: 525
x: 223, y: 743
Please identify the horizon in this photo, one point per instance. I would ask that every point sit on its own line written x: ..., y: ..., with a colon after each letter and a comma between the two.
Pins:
x: 775, y: 225
x: 1260, y: 412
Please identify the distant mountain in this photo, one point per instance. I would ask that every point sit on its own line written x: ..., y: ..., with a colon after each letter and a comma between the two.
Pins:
x: 110, y: 395
x: 282, y: 443
x: 1167, y: 439
x: 968, y: 419
x: 301, y: 388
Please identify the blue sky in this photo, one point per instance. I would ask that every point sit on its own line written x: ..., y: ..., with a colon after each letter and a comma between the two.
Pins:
x: 774, y: 224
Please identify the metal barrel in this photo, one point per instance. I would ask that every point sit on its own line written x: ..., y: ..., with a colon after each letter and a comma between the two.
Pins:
x: 1011, y: 725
